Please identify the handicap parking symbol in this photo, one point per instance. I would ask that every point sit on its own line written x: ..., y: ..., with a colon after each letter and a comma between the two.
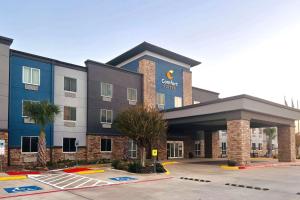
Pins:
x: 123, y: 178
x: 22, y: 189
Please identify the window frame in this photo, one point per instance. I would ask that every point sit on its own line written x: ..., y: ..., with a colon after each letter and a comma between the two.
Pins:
x: 101, y: 90
x: 111, y: 145
x: 105, y: 122
x: 175, y: 100
x: 69, y: 145
x: 30, y: 82
x: 70, y: 79
x: 157, y: 103
x: 70, y: 120
x: 134, y: 89
x: 23, y: 116
x: 131, y: 144
x: 30, y: 152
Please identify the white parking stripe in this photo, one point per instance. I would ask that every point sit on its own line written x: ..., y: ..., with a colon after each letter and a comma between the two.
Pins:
x: 74, y: 182
x: 66, y: 180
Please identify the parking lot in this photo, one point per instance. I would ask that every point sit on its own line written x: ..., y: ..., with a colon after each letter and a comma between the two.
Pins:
x: 187, y: 180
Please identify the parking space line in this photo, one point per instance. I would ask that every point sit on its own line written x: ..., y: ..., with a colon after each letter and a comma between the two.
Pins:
x: 74, y: 182
x: 74, y: 177
x: 61, y: 178
x: 82, y: 183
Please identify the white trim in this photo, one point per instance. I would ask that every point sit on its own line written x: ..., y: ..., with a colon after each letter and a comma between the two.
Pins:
x: 135, y: 100
x: 149, y: 53
x: 23, y: 106
x: 112, y: 118
x: 112, y: 89
x: 31, y: 68
x: 68, y: 120
x: 174, y: 142
x: 62, y: 146
x: 111, y: 145
x: 29, y: 145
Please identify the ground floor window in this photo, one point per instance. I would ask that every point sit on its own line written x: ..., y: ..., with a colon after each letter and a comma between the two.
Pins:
x: 197, y: 148
x: 29, y: 144
x: 259, y: 146
x: 105, y: 145
x: 69, y: 145
x: 253, y: 146
x: 224, y: 148
x: 175, y: 149
x: 132, y: 149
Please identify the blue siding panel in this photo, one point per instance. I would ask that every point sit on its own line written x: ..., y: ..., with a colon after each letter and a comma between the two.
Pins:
x: 17, y: 127
x: 162, y: 67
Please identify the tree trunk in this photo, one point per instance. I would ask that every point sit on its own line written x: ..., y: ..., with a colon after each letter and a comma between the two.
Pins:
x: 143, y: 156
x: 270, y: 148
x: 42, y: 150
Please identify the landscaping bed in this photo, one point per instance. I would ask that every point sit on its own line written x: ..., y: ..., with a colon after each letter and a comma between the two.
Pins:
x: 136, y: 167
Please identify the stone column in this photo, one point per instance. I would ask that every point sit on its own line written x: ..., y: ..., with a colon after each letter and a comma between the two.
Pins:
x: 286, y: 144
x: 187, y: 88
x: 147, y: 68
x: 215, y: 145
x: 238, y: 139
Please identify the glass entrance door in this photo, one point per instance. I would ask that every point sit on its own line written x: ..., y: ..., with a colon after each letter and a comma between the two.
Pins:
x: 175, y: 149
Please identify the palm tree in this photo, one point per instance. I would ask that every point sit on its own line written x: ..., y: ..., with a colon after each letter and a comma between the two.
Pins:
x: 271, y: 134
x: 42, y: 113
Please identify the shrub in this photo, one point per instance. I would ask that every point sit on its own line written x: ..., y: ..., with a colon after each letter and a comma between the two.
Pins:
x: 135, y: 167
x: 115, y: 164
x: 160, y: 168
x: 231, y: 163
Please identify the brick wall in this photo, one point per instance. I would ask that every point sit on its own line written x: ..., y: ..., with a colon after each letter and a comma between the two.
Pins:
x: 286, y: 144
x: 4, y: 159
x: 147, y: 68
x: 215, y: 145
x: 238, y: 137
x: 24, y: 159
x: 58, y: 154
x: 119, y: 148
x: 187, y: 88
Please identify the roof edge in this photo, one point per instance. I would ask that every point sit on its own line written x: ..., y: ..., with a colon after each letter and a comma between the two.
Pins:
x: 234, y: 98
x: 145, y: 46
x: 205, y: 90
x: 6, y: 40
x: 111, y: 66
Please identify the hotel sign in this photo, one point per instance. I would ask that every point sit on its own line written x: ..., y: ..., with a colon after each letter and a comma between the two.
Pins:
x: 169, y: 83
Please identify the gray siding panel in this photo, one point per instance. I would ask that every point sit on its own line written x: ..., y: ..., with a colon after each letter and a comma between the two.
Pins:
x: 203, y: 95
x: 4, y: 85
x: 121, y: 80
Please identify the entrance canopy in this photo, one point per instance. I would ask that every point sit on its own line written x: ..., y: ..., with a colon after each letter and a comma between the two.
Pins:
x: 213, y: 115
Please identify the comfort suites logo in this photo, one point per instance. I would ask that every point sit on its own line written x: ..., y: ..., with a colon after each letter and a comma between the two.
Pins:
x: 169, y: 74
x: 170, y: 84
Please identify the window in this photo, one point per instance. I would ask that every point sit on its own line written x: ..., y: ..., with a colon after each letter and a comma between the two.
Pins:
x: 197, y: 148
x: 196, y: 102
x: 29, y: 144
x: 224, y: 148
x: 259, y: 146
x: 24, y: 114
x: 132, y: 149
x: 70, y: 84
x: 31, y: 75
x: 69, y: 145
x: 106, y: 90
x: 178, y: 102
x: 105, y: 144
x: 131, y: 94
x: 69, y: 113
x: 106, y: 116
x: 160, y: 100
x: 253, y: 146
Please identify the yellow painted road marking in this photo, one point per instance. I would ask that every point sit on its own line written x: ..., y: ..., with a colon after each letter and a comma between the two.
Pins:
x: 226, y: 167
x: 10, y: 178
x: 91, y: 171
x: 168, y: 163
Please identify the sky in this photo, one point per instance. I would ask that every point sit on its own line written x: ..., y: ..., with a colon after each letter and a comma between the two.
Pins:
x: 246, y: 47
